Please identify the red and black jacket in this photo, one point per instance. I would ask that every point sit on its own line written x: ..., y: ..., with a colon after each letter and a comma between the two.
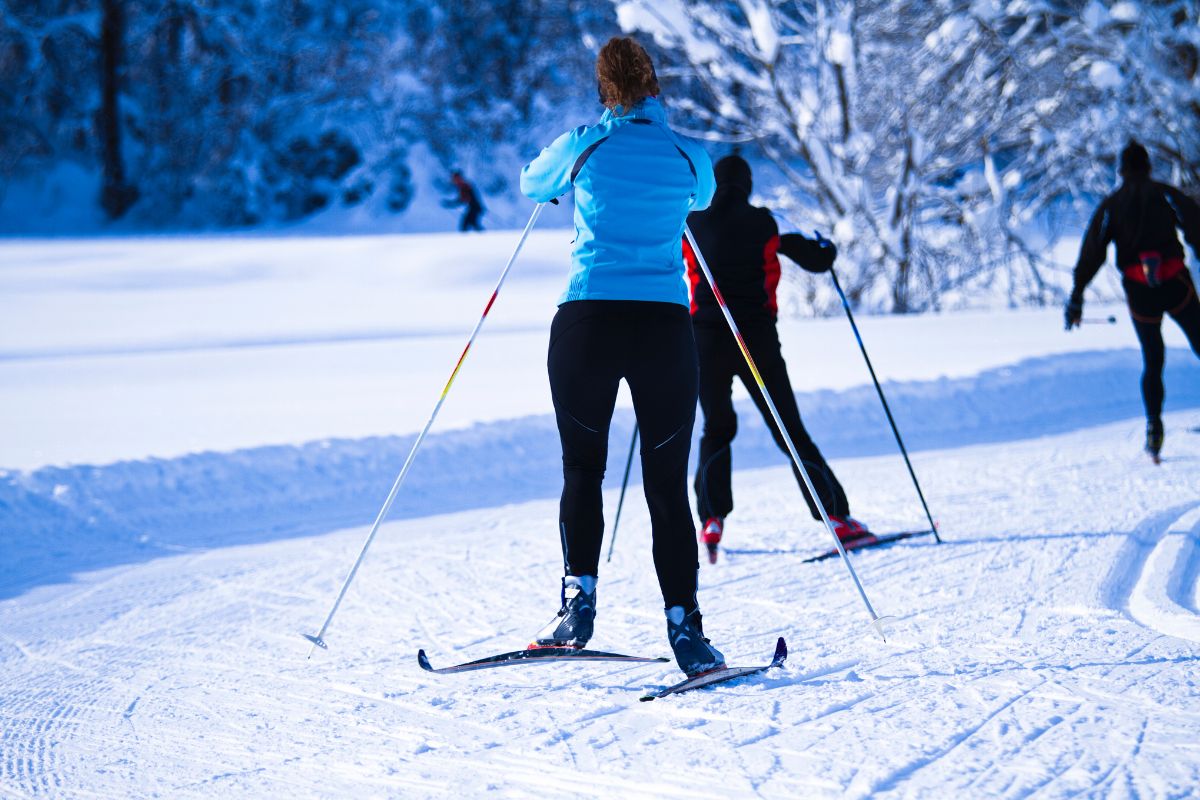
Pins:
x: 1141, y: 216
x: 740, y: 244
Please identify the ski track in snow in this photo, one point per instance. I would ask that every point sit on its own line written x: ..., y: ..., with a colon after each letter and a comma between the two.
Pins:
x: 1033, y: 653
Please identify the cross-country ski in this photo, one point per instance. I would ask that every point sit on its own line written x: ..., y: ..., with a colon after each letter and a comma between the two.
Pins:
x: 720, y: 675
x: 535, y: 655
x: 868, y: 541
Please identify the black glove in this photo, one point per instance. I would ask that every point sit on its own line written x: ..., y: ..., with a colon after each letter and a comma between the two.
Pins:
x: 1073, y: 312
x: 827, y: 253
x: 813, y: 255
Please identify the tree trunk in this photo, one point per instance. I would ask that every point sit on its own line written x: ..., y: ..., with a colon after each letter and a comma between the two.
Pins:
x: 116, y: 196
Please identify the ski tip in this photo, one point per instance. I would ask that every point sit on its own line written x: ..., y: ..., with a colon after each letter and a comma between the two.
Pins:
x: 646, y: 698
x: 316, y: 640
x: 423, y: 661
x: 780, y: 652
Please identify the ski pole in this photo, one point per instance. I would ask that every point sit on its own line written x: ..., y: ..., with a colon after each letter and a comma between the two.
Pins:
x: 621, y: 501
x: 886, y: 410
x: 876, y: 621
x: 1098, y: 321
x: 318, y: 640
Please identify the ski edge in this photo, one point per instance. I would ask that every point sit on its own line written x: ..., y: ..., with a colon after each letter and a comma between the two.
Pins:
x: 522, y: 657
x: 777, y: 660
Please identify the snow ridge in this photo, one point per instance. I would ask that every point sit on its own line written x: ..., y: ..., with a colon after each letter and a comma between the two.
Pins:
x: 1160, y: 599
x: 132, y: 511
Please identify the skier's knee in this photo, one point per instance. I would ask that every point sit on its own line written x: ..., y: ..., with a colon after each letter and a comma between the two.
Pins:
x: 720, y: 429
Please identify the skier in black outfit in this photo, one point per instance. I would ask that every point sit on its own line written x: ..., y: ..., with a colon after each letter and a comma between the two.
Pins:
x: 740, y: 243
x: 467, y: 196
x: 1142, y: 217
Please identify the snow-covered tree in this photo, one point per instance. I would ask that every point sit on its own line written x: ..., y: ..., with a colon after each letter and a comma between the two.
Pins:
x: 929, y: 134
x: 243, y: 111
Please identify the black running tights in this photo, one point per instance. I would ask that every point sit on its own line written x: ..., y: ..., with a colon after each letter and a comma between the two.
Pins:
x: 1176, y: 297
x: 593, y: 345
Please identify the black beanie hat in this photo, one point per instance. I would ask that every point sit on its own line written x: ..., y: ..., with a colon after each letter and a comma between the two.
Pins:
x: 1135, y: 159
x: 733, y: 171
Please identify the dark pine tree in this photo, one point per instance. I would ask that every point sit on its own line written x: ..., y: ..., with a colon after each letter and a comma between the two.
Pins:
x: 116, y: 196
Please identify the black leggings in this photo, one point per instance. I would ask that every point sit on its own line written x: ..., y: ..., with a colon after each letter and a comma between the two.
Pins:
x: 720, y: 361
x: 593, y: 345
x: 470, y: 218
x: 1176, y: 297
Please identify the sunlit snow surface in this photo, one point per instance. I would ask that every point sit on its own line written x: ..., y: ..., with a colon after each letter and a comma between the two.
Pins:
x: 189, y: 423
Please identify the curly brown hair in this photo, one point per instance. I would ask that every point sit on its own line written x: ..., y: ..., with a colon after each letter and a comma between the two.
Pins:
x: 626, y: 73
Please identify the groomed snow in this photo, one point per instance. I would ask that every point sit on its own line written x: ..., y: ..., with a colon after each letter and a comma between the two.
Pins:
x: 199, y: 429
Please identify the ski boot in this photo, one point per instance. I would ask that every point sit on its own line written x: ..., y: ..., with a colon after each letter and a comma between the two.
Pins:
x: 710, y: 536
x: 693, y: 653
x: 572, y: 627
x: 1154, y: 439
x: 848, y: 529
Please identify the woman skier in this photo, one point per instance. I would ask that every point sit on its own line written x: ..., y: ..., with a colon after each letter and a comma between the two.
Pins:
x: 624, y: 314
x: 1141, y: 217
x: 740, y: 243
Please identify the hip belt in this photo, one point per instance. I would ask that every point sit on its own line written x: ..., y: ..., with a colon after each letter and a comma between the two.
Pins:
x: 1152, y: 270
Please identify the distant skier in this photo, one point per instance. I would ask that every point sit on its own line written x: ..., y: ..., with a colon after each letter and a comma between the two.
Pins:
x: 1142, y: 217
x: 467, y: 196
x: 625, y: 315
x: 740, y: 243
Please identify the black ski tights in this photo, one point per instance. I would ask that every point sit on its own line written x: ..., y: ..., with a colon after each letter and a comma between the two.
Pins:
x: 1176, y: 297
x: 721, y: 360
x: 593, y: 345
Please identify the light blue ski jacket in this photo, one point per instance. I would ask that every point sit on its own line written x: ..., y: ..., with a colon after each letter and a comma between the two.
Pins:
x: 635, y: 183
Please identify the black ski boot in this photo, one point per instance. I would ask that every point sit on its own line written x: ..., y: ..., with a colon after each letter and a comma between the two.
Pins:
x: 693, y: 653
x: 573, y: 625
x: 1154, y: 438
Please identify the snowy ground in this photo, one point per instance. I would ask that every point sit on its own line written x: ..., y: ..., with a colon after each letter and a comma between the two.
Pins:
x: 197, y: 430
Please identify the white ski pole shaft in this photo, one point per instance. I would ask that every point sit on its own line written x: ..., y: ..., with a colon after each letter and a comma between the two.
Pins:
x: 319, y: 639
x: 791, y: 447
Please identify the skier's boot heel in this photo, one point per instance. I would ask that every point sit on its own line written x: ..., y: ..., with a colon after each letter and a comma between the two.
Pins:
x: 693, y: 653
x: 572, y: 626
x: 1154, y: 439
x: 710, y: 536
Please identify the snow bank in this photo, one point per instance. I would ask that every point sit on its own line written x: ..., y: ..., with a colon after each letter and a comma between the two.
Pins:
x: 134, y: 510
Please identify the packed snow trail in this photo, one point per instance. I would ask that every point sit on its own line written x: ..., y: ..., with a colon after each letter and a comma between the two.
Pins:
x: 1020, y: 663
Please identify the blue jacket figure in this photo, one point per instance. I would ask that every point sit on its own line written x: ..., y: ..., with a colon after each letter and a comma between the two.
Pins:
x: 624, y: 316
x: 635, y: 182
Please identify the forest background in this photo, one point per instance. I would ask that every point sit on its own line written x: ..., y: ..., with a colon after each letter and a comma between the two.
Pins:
x: 948, y: 147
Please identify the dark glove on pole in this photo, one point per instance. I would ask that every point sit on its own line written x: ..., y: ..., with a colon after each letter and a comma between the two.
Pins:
x: 1073, y: 312
x: 828, y: 252
x: 813, y: 255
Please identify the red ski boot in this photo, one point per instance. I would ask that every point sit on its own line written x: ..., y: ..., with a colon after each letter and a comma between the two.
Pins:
x: 850, y: 531
x: 710, y: 536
